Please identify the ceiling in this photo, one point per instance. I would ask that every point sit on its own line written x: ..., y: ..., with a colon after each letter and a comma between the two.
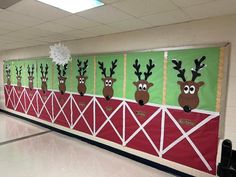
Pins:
x: 30, y: 23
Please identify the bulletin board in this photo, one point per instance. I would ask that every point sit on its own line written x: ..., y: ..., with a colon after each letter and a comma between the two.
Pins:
x: 163, y: 103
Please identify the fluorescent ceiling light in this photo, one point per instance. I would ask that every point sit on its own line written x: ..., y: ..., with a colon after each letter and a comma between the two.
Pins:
x: 73, y: 6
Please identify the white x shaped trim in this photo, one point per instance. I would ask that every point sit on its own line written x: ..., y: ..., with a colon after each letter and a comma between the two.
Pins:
x: 109, y: 119
x: 141, y: 127
x: 19, y: 99
x: 82, y: 114
x: 61, y: 109
x: 31, y: 102
x: 44, y: 105
x: 186, y: 135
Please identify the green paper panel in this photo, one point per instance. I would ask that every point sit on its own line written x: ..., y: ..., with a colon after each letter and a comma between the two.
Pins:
x: 209, y: 75
x: 44, y: 61
x: 156, y: 78
x: 89, y: 74
x: 119, y: 73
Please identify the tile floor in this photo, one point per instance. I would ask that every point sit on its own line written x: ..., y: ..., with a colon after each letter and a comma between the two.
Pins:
x: 27, y: 150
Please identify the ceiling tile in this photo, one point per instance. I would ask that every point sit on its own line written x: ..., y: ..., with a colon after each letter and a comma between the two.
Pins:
x: 166, y: 18
x: 56, y: 38
x: 104, y: 14
x: 37, y: 9
x: 129, y: 24
x: 187, y: 3
x: 10, y: 26
x: 110, y: 1
x: 53, y: 27
x: 102, y: 30
x: 78, y: 34
x: 18, y: 18
x: 20, y: 35
x: 217, y: 8
x: 76, y: 21
x: 3, y: 31
x: 145, y: 7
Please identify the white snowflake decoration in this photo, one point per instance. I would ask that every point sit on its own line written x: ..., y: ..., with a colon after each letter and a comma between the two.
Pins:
x: 60, y: 54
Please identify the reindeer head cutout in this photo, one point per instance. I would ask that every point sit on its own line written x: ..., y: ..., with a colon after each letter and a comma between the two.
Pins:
x: 18, y: 76
x: 44, y: 78
x: 81, y: 77
x: 31, y: 76
x: 62, y: 78
x: 142, y: 85
x: 8, y: 74
x: 108, y: 80
x: 188, y: 98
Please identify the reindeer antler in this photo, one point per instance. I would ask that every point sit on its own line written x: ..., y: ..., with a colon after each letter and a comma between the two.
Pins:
x: 85, y: 67
x: 28, y: 67
x: 59, y: 69
x: 102, y: 68
x: 136, y: 66
x: 113, y: 66
x: 41, y: 69
x: 64, y: 69
x: 198, y: 66
x: 46, y: 70
x: 17, y: 72
x: 20, y: 70
x: 32, y: 72
x: 79, y: 63
x: 149, y: 66
x: 178, y: 65
x: 8, y: 70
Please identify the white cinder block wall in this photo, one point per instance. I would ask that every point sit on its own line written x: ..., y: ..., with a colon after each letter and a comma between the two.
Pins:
x: 213, y: 30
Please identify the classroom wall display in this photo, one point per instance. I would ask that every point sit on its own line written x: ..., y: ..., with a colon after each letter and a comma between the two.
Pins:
x: 163, y: 103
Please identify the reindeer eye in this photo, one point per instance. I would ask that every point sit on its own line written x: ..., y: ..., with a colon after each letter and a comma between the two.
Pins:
x: 110, y: 83
x: 144, y: 87
x: 106, y: 82
x: 192, y: 89
x: 140, y: 87
x: 186, y: 89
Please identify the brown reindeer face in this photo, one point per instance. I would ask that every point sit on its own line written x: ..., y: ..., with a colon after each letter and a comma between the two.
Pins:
x: 108, y: 81
x: 82, y: 78
x: 108, y: 89
x: 81, y: 84
x: 188, y: 98
x: 62, y: 84
x: 18, y: 81
x: 141, y: 94
x: 44, y: 78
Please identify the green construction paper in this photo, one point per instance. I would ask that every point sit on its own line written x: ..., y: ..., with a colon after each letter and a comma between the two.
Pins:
x: 119, y: 73
x: 44, y: 61
x: 90, y: 74
x: 156, y: 78
x: 209, y: 75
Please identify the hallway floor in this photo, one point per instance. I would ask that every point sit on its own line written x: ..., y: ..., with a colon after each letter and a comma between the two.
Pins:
x: 28, y: 150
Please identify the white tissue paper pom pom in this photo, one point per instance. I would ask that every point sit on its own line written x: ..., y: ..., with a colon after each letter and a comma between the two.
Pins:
x: 60, y: 54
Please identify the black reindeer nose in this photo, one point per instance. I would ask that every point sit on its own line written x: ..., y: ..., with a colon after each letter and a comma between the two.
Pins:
x: 81, y: 94
x: 187, y: 109
x: 140, y: 102
x: 108, y: 98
